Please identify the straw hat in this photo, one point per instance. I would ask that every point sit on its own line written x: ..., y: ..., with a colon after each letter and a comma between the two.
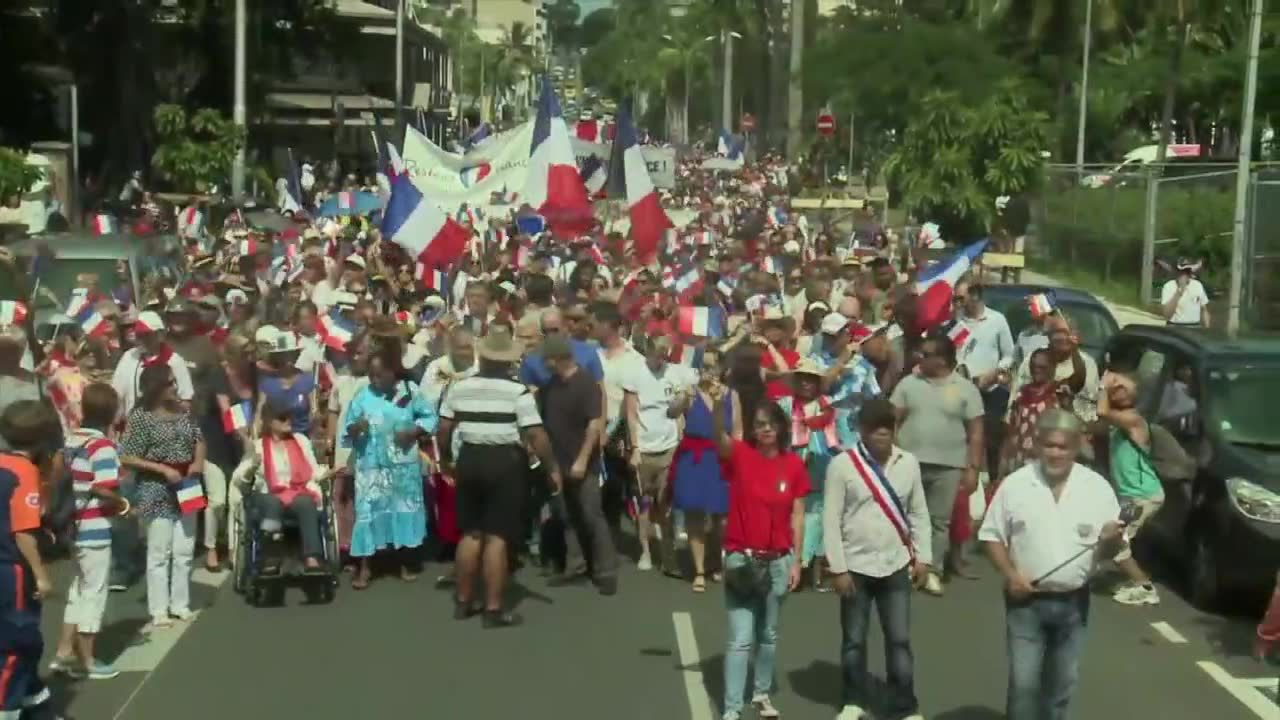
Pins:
x: 498, y: 345
x: 808, y: 366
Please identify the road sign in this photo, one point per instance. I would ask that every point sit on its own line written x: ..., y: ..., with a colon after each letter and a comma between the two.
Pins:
x: 826, y: 124
x: 748, y: 122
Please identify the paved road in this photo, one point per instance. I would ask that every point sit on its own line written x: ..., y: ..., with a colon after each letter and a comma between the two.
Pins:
x: 653, y: 651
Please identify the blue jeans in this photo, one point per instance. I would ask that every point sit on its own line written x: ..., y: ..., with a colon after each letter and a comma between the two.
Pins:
x: 1045, y: 636
x: 753, y: 619
x: 892, y: 598
x: 126, y: 542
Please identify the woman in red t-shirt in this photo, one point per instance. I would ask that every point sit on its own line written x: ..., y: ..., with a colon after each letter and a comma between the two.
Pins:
x: 765, y: 525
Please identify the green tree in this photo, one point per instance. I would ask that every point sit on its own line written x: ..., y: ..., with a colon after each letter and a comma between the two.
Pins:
x: 194, y: 151
x: 956, y: 159
x: 16, y: 176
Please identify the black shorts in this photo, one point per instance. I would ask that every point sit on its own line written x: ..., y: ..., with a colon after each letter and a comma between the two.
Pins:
x: 492, y: 490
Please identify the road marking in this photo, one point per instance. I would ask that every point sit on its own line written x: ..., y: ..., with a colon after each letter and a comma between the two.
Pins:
x: 1168, y: 632
x: 146, y: 655
x: 1245, y: 691
x: 695, y: 687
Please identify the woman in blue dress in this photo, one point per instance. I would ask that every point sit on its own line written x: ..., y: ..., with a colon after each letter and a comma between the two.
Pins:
x: 699, y: 487
x: 384, y: 422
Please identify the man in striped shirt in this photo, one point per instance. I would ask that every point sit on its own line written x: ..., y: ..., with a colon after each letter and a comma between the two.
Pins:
x: 494, y: 417
x: 94, y: 463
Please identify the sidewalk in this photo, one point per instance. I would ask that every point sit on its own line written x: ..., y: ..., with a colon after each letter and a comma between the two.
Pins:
x: 1125, y: 315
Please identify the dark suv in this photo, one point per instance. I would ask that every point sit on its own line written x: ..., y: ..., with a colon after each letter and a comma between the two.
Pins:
x: 1221, y: 399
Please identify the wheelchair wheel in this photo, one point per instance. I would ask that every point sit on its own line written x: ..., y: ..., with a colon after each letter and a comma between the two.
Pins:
x: 239, y: 551
x: 333, y: 556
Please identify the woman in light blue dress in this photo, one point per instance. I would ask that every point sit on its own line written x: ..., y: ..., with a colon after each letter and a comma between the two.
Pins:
x: 384, y: 423
x: 815, y: 437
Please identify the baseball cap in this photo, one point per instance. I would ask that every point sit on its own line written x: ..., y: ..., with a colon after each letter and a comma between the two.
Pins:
x: 834, y: 323
x: 148, y: 322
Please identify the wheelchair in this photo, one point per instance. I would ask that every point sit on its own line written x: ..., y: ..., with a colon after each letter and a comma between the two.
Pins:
x: 244, y: 521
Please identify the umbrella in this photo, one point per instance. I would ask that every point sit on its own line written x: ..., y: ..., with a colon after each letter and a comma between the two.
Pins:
x: 355, y: 203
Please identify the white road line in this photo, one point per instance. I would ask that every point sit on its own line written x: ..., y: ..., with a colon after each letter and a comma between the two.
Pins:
x: 1242, y: 690
x: 1168, y: 632
x: 151, y: 650
x: 695, y: 687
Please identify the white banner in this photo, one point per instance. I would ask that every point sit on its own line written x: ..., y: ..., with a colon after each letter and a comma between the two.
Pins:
x: 500, y: 165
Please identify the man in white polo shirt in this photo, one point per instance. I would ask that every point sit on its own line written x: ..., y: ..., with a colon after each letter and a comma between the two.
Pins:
x: 1048, y: 525
x: 661, y: 389
x: 1183, y: 300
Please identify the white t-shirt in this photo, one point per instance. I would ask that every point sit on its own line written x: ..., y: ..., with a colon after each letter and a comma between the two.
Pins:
x: 1041, y: 532
x: 620, y: 377
x: 312, y: 353
x: 654, y: 393
x: 1189, y: 305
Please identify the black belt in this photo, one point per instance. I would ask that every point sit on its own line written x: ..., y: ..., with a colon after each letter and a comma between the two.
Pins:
x: 484, y: 417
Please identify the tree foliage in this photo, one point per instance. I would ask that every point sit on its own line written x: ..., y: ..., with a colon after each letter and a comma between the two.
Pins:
x: 194, y: 151
x: 16, y: 176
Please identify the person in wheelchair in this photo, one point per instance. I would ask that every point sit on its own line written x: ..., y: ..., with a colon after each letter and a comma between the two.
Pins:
x: 286, y: 469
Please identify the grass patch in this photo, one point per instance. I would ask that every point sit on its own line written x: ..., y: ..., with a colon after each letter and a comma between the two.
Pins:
x: 1117, y: 292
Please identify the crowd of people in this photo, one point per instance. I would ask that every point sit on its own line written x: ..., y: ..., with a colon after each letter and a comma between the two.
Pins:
x: 763, y: 390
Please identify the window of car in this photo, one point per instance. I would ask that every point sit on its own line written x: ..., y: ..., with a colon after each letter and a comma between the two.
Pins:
x: 1090, y: 322
x: 1146, y: 362
x: 1242, y: 401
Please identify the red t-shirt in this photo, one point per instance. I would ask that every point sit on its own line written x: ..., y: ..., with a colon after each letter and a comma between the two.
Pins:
x: 762, y: 492
x: 778, y: 388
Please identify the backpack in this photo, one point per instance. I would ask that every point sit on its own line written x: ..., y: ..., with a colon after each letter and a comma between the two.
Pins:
x: 1168, y: 457
x: 59, y: 516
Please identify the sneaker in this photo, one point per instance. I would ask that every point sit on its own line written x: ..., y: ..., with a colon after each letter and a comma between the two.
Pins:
x: 764, y: 707
x: 159, y: 623
x: 933, y: 585
x: 100, y: 670
x: 181, y: 615
x: 646, y: 563
x: 117, y: 587
x: 1137, y: 595
x: 66, y: 666
x: 852, y: 712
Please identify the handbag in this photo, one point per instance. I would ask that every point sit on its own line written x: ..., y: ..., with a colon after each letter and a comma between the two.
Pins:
x: 751, y: 579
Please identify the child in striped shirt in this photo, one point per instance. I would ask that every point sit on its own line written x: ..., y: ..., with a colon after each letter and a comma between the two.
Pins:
x: 94, y: 463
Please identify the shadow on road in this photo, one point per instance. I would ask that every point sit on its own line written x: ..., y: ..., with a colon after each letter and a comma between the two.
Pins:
x: 115, y: 637
x: 820, y: 683
x: 970, y: 712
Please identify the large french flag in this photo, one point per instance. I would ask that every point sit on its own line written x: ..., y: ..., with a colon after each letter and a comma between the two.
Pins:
x: 649, y: 222
x: 425, y: 232
x: 936, y: 285
x: 553, y: 187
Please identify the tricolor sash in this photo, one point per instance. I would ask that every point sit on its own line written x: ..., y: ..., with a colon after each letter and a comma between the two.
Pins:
x: 882, y: 492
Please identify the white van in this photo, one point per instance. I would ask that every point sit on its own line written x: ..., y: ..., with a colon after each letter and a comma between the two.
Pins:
x: 1137, y: 158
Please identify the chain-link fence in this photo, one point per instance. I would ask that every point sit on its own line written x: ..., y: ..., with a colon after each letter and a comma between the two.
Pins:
x: 1127, y: 228
x: 1262, y: 251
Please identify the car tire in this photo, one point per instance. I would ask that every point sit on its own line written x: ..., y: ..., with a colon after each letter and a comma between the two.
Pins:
x: 1204, y: 582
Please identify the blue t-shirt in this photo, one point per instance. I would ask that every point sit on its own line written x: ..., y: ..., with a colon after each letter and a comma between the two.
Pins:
x: 534, y: 370
x: 296, y: 397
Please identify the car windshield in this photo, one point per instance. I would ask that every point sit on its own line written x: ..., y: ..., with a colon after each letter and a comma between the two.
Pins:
x: 1090, y: 321
x: 1242, y: 403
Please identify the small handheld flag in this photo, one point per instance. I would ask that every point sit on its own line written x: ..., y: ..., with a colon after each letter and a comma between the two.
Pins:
x: 700, y: 321
x: 959, y: 334
x: 237, y: 417
x: 190, y: 495
x: 1040, y: 304
x: 103, y: 225
x: 12, y: 312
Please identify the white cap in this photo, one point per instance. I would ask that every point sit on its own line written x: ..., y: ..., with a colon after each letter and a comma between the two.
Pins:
x: 236, y: 296
x: 266, y: 335
x: 356, y: 260
x: 834, y: 323
x: 791, y: 247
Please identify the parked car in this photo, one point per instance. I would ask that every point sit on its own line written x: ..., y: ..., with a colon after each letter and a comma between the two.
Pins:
x: 1090, y: 318
x: 83, y: 253
x: 1218, y: 397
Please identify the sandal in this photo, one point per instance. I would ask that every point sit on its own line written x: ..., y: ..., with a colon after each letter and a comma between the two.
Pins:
x: 360, y: 581
x: 699, y: 583
x: 408, y: 575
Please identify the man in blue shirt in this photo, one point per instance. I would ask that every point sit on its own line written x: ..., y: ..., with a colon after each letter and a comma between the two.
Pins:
x: 850, y: 377
x: 534, y: 371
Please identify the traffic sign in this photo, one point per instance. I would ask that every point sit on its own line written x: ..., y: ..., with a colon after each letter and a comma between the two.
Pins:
x: 748, y: 122
x: 826, y: 124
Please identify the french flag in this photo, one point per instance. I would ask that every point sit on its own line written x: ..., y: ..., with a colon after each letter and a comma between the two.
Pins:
x: 103, y: 225
x: 649, y: 222
x: 471, y: 215
x: 1040, y: 304
x: 190, y: 495
x: 472, y: 175
x: 531, y: 224
x: 776, y: 217
x: 771, y: 265
x: 335, y: 331
x: 689, y: 356
x: 480, y: 134
x: 431, y: 278
x: 248, y: 247
x: 936, y: 285
x: 12, y: 312
x: 237, y: 417
x: 428, y: 235
x: 727, y: 284
x: 700, y: 321
x: 727, y: 147
x: 553, y: 186
x: 959, y: 334
x: 81, y: 310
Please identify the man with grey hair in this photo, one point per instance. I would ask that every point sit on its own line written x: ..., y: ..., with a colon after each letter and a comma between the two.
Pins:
x: 1047, y: 527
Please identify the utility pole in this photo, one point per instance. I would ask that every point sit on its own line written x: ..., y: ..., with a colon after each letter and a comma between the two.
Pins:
x: 1084, y: 89
x: 400, y: 66
x: 795, y: 94
x: 1243, y: 172
x: 238, y: 110
x: 726, y: 102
